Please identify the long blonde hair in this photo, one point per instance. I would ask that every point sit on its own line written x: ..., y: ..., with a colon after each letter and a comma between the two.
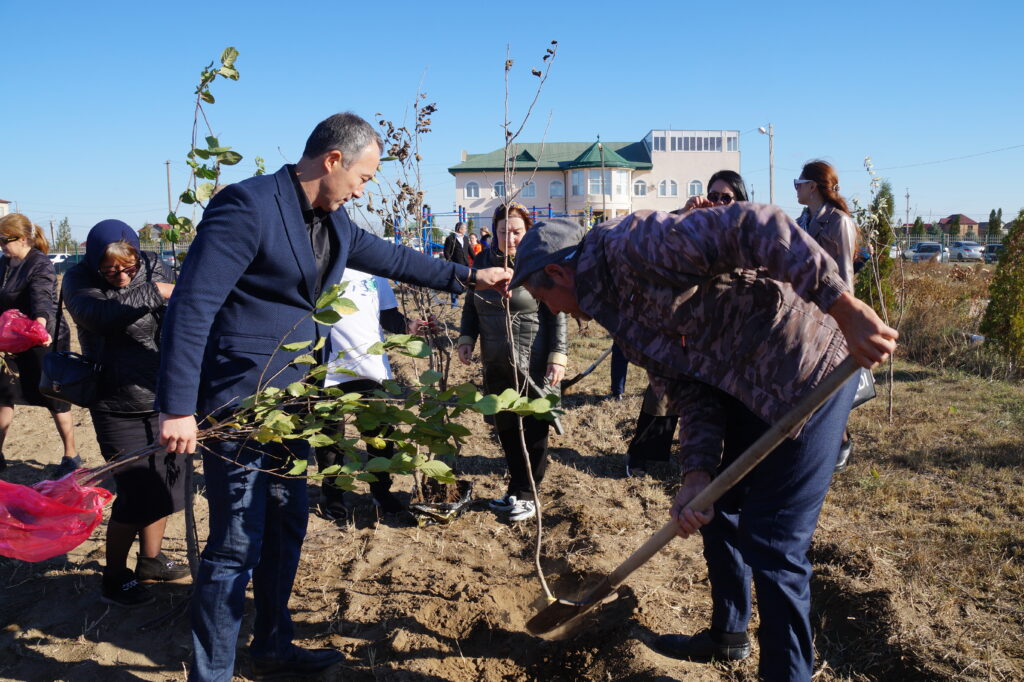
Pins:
x: 17, y: 225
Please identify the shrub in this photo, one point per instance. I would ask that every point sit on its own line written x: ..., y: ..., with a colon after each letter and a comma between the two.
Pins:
x: 1003, y: 325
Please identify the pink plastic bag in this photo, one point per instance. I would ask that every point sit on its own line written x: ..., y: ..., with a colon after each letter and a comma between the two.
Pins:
x: 18, y: 332
x: 48, y: 518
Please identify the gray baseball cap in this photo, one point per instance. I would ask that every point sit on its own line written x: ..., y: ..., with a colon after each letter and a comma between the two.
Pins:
x: 555, y: 240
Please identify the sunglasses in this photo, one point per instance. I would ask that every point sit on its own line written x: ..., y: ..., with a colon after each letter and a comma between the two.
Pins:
x: 114, y: 271
x: 7, y: 240
x: 720, y: 197
x: 801, y: 181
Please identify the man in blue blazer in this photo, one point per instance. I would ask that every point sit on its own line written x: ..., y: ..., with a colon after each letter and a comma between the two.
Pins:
x: 263, y: 252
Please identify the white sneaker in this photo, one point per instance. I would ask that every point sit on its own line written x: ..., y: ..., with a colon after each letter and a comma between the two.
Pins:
x: 522, y: 510
x: 503, y: 504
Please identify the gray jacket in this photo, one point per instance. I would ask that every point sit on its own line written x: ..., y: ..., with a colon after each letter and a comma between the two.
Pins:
x: 538, y: 335
x: 836, y: 232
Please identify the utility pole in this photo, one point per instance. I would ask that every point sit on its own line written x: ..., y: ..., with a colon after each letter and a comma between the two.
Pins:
x: 604, y: 190
x: 770, y: 132
x: 908, y: 206
x: 52, y: 240
x: 169, y: 208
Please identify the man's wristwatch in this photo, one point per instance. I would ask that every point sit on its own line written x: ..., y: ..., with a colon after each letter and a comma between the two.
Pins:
x: 471, y: 280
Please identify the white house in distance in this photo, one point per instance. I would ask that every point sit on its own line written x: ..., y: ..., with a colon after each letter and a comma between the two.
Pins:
x: 610, y: 179
x: 5, y: 207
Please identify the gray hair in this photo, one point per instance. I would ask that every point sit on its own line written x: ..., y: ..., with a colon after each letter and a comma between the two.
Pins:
x: 538, y: 279
x: 346, y: 133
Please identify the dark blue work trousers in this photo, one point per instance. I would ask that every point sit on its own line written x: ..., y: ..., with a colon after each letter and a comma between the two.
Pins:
x: 257, y: 525
x: 762, y: 529
x: 620, y: 367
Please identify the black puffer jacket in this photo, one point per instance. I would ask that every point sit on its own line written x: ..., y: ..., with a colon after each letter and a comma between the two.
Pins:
x: 538, y: 334
x: 120, y: 329
x: 31, y: 286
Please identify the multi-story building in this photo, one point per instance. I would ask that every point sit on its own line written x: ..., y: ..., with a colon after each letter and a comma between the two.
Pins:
x: 609, y: 179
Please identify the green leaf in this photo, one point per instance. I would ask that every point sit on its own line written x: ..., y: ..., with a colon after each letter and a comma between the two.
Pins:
x: 376, y: 349
x: 366, y: 477
x: 187, y: 197
x: 392, y: 387
x: 319, y: 440
x: 508, y: 397
x: 331, y: 470
x: 304, y: 360
x: 326, y: 316
x: 375, y: 442
x: 438, y: 470
x: 345, y: 483
x: 206, y: 96
x: 201, y: 153
x: 430, y: 377
x: 328, y: 297
x: 344, y: 306
x: 212, y: 141
x: 172, y: 219
x: 489, y: 404
x: 379, y: 464
x: 457, y: 429
x: 294, y: 347
x: 417, y: 348
x: 299, y: 467
x: 229, y: 158
x: 296, y: 389
x: 228, y: 56
x: 319, y: 343
x: 204, y: 191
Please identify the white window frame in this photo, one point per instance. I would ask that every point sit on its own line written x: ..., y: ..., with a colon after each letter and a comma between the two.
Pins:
x: 578, y: 183
x: 658, y: 143
x: 599, y: 183
x: 556, y: 189
x: 639, y: 188
x: 499, y: 188
x: 472, y: 190
x: 621, y: 180
x: 668, y: 188
x: 529, y: 190
x: 695, y: 188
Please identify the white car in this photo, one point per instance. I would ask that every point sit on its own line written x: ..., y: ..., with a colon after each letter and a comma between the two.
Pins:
x: 924, y: 252
x: 967, y: 251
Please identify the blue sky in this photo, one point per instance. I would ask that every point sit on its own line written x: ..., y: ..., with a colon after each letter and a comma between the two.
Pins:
x: 98, y: 96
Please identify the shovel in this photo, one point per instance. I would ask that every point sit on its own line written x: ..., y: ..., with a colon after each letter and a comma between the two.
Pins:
x: 558, y: 620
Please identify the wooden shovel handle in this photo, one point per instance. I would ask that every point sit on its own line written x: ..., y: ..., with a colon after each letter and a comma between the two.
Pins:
x: 742, y: 466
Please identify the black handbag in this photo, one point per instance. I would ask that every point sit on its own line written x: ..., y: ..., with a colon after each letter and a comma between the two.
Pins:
x: 68, y: 376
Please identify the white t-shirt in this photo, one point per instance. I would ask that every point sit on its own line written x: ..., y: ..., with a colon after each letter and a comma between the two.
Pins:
x: 353, y: 334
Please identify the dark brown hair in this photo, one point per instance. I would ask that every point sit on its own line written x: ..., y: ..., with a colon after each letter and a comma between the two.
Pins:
x: 824, y: 176
x: 518, y: 210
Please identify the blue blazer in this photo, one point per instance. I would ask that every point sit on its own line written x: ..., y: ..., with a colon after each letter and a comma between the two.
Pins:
x: 248, y: 282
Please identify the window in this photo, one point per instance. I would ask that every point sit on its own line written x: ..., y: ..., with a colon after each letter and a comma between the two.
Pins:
x: 659, y: 143
x: 596, y: 185
x: 668, y: 188
x: 677, y: 144
x: 621, y: 182
x: 499, y: 188
x: 639, y: 188
x: 732, y: 144
x: 472, y: 190
x: 529, y: 190
x: 556, y: 189
x: 695, y: 188
x: 577, y: 183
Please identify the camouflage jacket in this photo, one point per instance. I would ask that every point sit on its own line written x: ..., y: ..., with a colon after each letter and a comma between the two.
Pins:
x: 727, y: 299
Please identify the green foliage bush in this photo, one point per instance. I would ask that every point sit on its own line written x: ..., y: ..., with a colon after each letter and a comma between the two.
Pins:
x: 1003, y: 325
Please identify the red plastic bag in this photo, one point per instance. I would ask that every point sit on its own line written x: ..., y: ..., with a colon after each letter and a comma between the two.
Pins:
x: 18, y: 332
x: 48, y: 518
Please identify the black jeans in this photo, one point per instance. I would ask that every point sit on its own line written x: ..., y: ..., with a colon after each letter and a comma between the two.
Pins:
x: 535, y: 432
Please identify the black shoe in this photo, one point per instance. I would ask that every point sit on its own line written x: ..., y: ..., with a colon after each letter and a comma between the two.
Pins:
x: 386, y: 502
x: 635, y: 466
x: 335, y: 511
x: 700, y: 648
x: 160, y: 568
x: 124, y: 589
x: 67, y: 465
x: 300, y: 663
x: 844, y: 455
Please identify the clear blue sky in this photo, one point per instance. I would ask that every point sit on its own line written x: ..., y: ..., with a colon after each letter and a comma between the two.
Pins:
x: 97, y: 96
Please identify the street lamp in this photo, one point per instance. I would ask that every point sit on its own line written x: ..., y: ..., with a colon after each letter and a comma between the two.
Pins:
x: 770, y: 132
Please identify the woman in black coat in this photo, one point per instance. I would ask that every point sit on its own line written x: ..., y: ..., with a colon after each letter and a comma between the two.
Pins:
x: 117, y: 298
x: 28, y: 283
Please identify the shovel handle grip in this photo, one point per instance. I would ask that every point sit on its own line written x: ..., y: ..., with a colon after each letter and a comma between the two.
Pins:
x: 750, y: 458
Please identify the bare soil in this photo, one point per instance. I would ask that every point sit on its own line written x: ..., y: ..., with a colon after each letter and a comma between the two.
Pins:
x: 450, y: 602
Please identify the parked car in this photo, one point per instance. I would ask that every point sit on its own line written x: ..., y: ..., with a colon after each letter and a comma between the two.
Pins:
x: 58, y: 258
x: 929, y: 251
x: 992, y: 252
x: 895, y: 251
x: 966, y: 251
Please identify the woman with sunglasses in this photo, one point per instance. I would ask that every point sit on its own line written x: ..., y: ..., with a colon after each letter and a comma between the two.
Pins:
x: 724, y: 187
x: 827, y: 219
x: 117, y: 297
x: 28, y: 283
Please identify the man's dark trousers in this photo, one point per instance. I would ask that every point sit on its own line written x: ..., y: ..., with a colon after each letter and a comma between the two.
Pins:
x: 762, y: 529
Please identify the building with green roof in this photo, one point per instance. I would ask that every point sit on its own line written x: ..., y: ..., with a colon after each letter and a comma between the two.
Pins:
x: 607, y: 179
